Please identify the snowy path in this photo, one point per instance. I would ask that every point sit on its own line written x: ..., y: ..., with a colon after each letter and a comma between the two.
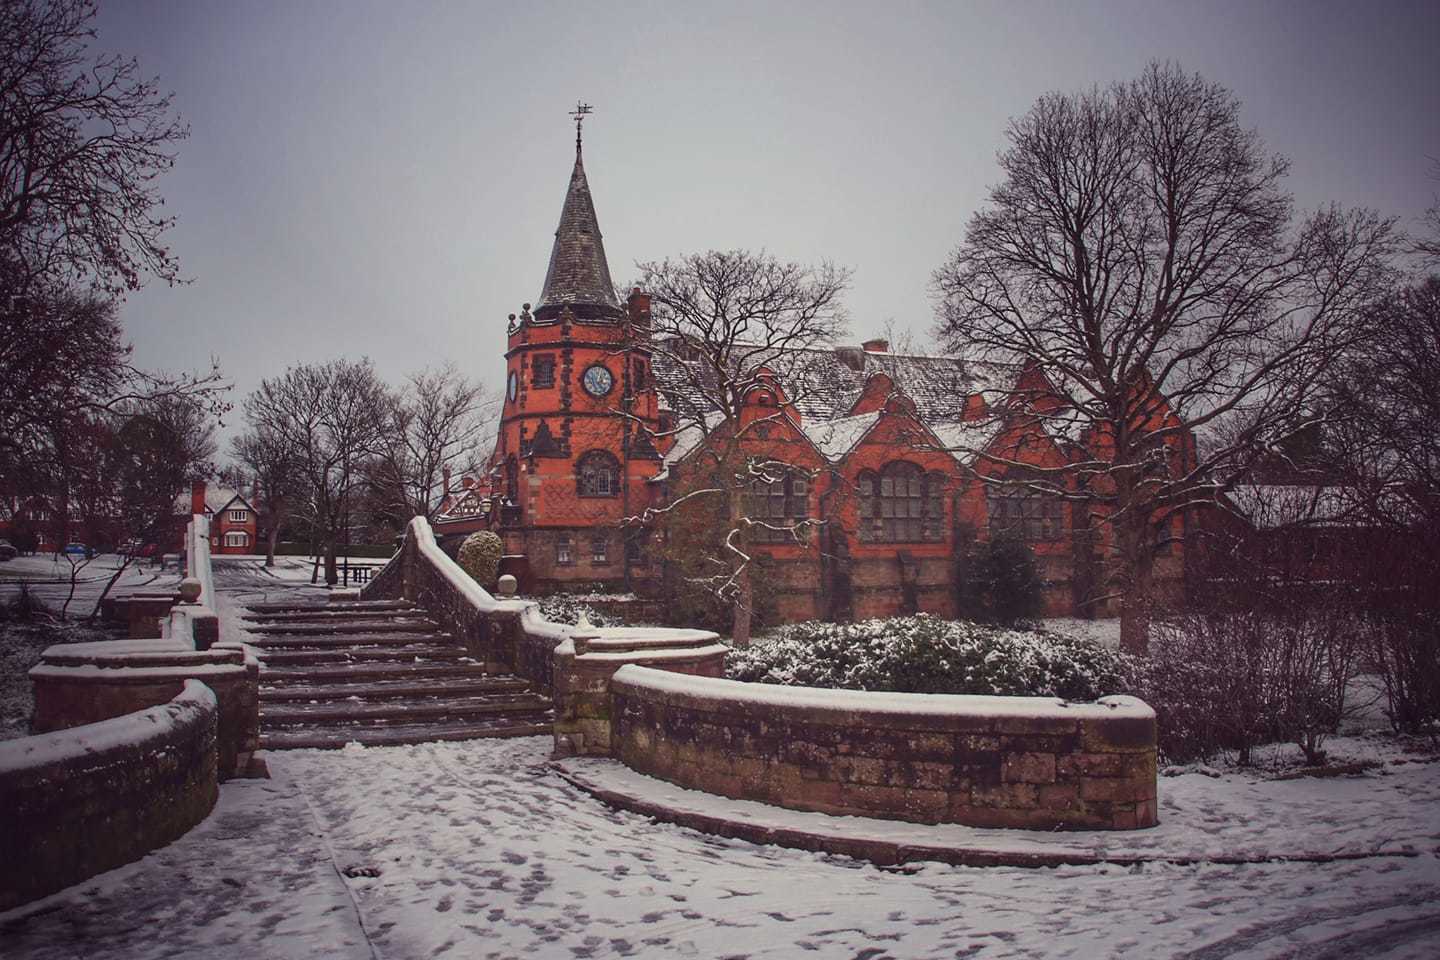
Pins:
x: 481, y: 851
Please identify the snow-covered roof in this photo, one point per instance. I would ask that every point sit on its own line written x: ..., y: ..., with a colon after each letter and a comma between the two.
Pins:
x: 967, y: 438
x: 835, y: 438
x: 824, y: 384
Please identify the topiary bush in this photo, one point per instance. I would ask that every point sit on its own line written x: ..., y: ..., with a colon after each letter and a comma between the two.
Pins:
x: 479, y: 556
x: 921, y: 654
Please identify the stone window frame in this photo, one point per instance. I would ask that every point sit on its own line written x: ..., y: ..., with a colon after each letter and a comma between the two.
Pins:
x: 785, y: 499
x: 564, y: 550
x: 902, y: 502
x: 236, y: 538
x: 239, y: 516
x: 599, y: 549
x: 542, y: 371
x: 588, y: 474
x: 1024, y: 513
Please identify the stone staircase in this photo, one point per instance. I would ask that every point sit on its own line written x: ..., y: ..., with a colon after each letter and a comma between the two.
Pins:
x: 380, y: 673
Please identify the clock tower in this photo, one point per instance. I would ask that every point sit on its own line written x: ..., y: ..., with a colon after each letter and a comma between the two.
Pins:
x: 575, y: 448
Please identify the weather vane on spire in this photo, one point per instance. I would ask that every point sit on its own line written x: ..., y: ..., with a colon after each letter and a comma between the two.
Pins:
x: 581, y: 111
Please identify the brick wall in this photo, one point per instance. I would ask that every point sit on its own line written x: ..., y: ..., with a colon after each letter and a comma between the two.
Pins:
x: 1035, y: 763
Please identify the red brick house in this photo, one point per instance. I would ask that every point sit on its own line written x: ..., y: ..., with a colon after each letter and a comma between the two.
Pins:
x: 234, y: 524
x: 885, y: 450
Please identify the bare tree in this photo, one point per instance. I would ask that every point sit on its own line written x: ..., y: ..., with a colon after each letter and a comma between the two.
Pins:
x: 331, y: 419
x: 274, y: 464
x: 731, y: 323
x: 436, y: 424
x: 1140, y: 254
x: 83, y: 138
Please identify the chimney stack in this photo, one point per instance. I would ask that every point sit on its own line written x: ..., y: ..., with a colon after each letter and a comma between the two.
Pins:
x: 197, y: 497
x: 878, y: 345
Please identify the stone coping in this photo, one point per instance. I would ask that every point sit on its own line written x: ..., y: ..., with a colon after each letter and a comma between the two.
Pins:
x: 649, y: 653
x: 896, y: 710
x: 891, y: 842
x: 122, y: 654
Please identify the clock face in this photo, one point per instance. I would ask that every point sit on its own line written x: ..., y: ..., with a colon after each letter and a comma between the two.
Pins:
x: 514, y: 385
x: 597, y: 380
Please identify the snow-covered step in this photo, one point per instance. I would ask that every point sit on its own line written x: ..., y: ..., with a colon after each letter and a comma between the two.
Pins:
x: 410, y: 652
x: 326, y: 640
x: 323, y: 738
x: 326, y: 615
x: 343, y: 711
x: 350, y: 672
x: 396, y: 689
x: 388, y: 625
x: 305, y: 606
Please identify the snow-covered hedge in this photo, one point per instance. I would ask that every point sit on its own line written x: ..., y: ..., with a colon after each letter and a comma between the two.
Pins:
x: 561, y: 608
x: 921, y: 654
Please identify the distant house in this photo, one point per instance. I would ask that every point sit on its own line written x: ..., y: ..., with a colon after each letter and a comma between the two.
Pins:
x: 234, y: 523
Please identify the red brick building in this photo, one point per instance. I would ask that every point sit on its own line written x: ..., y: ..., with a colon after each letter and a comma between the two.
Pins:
x: 234, y: 525
x: 885, y: 450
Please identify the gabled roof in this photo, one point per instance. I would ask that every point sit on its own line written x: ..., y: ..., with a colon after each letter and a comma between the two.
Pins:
x: 835, y: 438
x: 824, y: 384
x: 578, y: 275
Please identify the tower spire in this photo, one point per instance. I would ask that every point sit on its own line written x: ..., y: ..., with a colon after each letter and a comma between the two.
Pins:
x: 578, y: 276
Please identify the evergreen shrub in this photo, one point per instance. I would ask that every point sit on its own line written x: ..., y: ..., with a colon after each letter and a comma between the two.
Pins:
x: 1002, y: 582
x: 921, y: 654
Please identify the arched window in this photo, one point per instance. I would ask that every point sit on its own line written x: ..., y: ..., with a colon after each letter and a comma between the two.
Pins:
x: 779, y: 503
x: 902, y: 504
x: 598, y: 474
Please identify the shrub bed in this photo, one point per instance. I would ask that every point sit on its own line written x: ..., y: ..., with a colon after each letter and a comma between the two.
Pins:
x: 921, y: 654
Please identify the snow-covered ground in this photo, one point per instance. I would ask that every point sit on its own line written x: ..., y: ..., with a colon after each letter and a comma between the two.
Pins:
x: 479, y: 850
x: 1102, y: 631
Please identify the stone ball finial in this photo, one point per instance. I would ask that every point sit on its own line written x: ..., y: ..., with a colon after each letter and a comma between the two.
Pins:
x: 512, y: 318
x: 190, y: 590
x: 525, y: 307
x: 507, y: 585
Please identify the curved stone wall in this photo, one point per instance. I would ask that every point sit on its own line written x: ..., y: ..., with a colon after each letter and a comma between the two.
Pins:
x: 85, y: 683
x: 91, y: 798
x: 1031, y: 762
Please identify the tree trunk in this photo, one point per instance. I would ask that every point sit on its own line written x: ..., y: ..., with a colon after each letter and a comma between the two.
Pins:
x: 109, y: 584
x: 740, y: 634
x: 1137, y: 563
x: 271, y: 543
x: 332, y: 574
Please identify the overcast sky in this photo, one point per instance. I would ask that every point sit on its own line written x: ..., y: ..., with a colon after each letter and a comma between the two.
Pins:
x: 384, y: 179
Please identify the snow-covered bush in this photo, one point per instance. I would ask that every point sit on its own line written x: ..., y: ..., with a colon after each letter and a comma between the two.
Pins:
x: 562, y: 608
x: 480, y: 557
x: 921, y: 654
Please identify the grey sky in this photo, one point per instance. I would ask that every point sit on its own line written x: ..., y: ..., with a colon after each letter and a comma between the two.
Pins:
x: 383, y: 179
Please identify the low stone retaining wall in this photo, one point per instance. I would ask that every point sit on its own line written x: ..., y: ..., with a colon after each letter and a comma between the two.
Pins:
x: 1026, y: 762
x: 85, y: 683
x: 94, y: 797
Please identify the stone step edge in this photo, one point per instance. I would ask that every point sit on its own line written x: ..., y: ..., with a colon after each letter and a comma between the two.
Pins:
x: 848, y: 837
x: 362, y: 711
x: 402, y: 690
x: 422, y: 734
x: 340, y: 642
x: 355, y: 672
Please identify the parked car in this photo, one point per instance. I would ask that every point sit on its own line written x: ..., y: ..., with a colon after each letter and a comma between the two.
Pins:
x: 76, y: 550
x: 7, y: 551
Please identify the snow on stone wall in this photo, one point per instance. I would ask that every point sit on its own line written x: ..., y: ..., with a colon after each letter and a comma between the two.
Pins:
x: 88, y: 799
x: 1037, y: 763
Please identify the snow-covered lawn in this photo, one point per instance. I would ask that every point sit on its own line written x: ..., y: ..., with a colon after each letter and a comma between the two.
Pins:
x: 479, y: 850
x: 1105, y: 631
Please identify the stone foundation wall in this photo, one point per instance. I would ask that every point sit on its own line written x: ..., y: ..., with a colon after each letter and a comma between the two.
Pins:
x: 1035, y: 763
x: 94, y: 797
